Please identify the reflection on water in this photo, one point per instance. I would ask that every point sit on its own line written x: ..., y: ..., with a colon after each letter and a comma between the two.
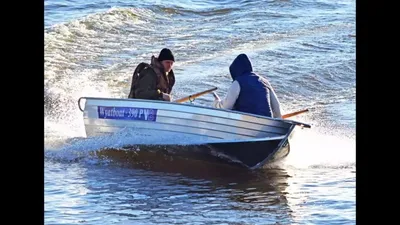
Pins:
x: 152, y: 187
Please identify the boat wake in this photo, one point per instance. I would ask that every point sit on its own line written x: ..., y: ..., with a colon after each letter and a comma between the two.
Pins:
x: 97, y: 149
x: 316, y: 148
x: 309, y: 149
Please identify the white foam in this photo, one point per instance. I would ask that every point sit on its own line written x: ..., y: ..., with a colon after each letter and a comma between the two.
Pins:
x: 316, y: 148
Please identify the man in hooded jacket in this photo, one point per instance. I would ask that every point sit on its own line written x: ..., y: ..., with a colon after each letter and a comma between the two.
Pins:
x: 249, y: 92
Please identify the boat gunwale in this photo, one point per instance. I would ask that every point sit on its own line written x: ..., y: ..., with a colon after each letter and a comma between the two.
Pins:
x: 191, y: 106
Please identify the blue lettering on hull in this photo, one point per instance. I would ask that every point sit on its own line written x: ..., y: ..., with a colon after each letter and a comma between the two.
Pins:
x: 127, y: 113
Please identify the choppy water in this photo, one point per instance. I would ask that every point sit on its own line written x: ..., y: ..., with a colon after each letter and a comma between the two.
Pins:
x: 306, y: 50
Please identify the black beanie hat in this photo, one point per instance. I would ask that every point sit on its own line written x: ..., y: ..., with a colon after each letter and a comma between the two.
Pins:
x: 166, y: 54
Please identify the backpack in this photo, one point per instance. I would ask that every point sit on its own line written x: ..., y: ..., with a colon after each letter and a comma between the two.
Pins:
x: 136, y: 77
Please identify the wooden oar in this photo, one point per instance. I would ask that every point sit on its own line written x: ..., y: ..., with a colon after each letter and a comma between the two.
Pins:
x: 294, y: 113
x: 192, y: 97
x: 284, y: 116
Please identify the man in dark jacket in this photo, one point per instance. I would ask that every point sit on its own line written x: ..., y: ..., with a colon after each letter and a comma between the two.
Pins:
x: 155, y: 80
x: 249, y: 92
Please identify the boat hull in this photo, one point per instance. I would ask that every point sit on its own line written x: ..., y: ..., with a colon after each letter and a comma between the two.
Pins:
x: 230, y: 136
x: 253, y: 154
x: 249, y: 155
